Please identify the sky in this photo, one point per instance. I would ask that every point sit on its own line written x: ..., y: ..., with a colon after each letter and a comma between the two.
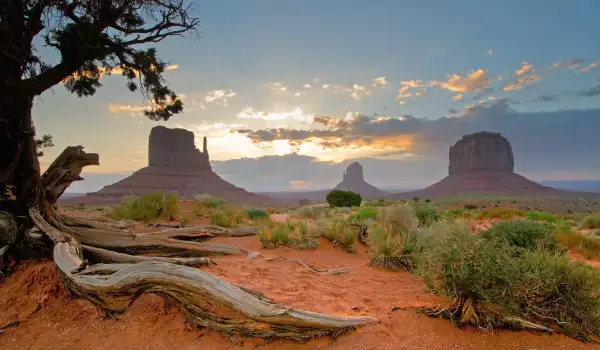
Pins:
x: 290, y: 92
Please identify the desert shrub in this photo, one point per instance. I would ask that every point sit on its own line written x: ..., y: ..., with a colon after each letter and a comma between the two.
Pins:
x: 256, y: 214
x: 304, y: 202
x: 469, y: 206
x: 398, y: 217
x: 339, y: 198
x: 343, y: 210
x: 148, y: 207
x: 364, y: 213
x: 493, y: 283
x: 501, y: 213
x: 278, y: 235
x: 588, y: 245
x: 454, y: 213
x: 273, y: 211
x: 304, y: 236
x: 312, y: 212
x: 530, y: 235
x: 427, y: 214
x: 227, y: 217
x: 340, y: 232
x: 212, y: 202
x: 591, y: 221
x: 540, y: 216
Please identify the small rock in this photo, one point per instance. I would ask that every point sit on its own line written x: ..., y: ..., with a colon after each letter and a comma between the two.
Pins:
x: 254, y: 255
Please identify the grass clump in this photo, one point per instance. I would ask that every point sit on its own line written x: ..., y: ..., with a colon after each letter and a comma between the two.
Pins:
x: 340, y: 232
x: 427, y: 214
x: 304, y: 236
x: 312, y: 212
x: 227, y: 217
x: 492, y: 283
x: 212, y: 203
x: 278, y: 235
x: 588, y: 245
x: 501, y: 213
x: 148, y: 207
x: 397, y: 240
x: 540, y: 216
x: 256, y: 214
x: 529, y: 235
x: 364, y: 213
x: 591, y: 221
x: 469, y: 206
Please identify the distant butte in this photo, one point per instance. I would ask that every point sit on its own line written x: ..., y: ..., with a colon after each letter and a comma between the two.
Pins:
x: 482, y: 163
x: 175, y: 165
x: 354, y: 181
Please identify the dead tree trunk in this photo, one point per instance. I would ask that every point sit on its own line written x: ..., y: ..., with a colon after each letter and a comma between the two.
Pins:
x: 119, y: 278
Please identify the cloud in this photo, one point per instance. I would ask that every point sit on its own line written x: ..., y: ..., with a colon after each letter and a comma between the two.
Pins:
x: 379, y: 82
x: 526, y: 67
x: 132, y: 110
x: 307, y: 86
x: 296, y: 114
x: 591, y: 92
x: 457, y: 97
x: 410, y: 88
x: 590, y: 67
x: 474, y: 81
x: 219, y: 96
x: 277, y: 86
x: 547, y: 98
x: 490, y: 52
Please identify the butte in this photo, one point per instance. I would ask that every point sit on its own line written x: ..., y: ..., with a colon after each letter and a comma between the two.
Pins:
x: 482, y: 163
x: 354, y: 181
x: 175, y: 165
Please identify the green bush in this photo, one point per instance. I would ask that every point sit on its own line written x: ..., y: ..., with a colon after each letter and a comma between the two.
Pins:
x: 212, y: 202
x: 148, y: 207
x: 364, y: 213
x: 312, y: 212
x: 427, y: 214
x: 493, y: 283
x: 529, y: 235
x: 588, y: 245
x: 256, y: 214
x: 339, y: 198
x: 470, y: 206
x: 540, y: 216
x: 227, y: 217
x: 591, y: 221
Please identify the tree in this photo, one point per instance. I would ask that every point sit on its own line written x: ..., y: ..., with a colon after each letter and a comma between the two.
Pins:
x: 93, y: 38
x: 339, y: 198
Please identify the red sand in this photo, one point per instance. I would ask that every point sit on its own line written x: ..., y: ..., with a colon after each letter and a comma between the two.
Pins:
x: 65, y: 323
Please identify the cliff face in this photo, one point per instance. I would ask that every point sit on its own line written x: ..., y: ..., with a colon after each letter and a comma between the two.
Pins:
x: 482, y: 151
x: 176, y: 148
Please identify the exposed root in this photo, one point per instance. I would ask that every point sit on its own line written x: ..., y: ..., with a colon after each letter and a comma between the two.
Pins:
x: 202, y: 296
x: 107, y: 256
x: 313, y: 270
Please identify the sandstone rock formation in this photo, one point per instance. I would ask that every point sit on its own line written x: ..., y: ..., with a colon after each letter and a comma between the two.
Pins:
x: 481, y: 163
x: 175, y: 165
x: 482, y: 151
x: 354, y: 181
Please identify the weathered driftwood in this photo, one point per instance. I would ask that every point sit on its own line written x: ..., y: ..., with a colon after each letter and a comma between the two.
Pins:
x: 202, y: 296
x: 109, y: 256
x: 208, y: 301
x: 313, y: 270
x: 217, y: 230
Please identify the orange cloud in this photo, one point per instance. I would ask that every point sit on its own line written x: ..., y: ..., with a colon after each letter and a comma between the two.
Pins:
x: 474, y: 81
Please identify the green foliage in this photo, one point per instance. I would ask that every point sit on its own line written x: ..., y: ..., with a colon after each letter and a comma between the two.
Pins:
x: 275, y: 236
x: 588, y: 245
x: 148, y: 207
x: 591, y: 221
x: 45, y: 142
x: 469, y: 206
x: 339, y: 198
x: 540, y: 216
x: 494, y: 283
x: 340, y: 232
x: 427, y: 214
x: 312, y: 212
x: 227, y: 217
x: 211, y: 203
x: 256, y: 214
x: 304, y: 236
x: 530, y: 235
x: 378, y: 203
x: 500, y: 213
x: 398, y: 218
x: 364, y: 213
